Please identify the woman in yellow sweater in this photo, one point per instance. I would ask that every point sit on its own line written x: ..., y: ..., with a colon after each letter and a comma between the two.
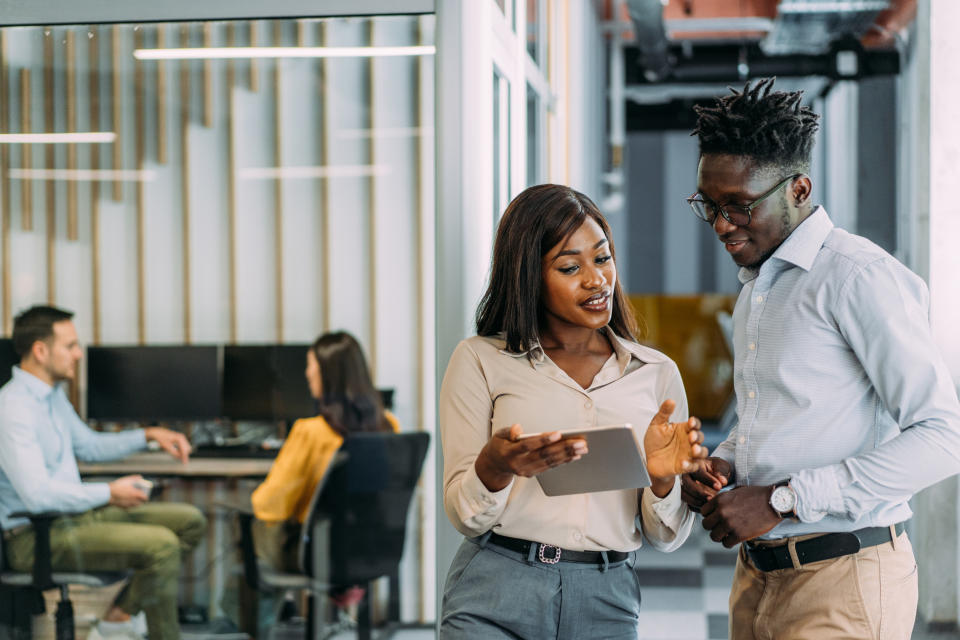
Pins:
x: 339, y: 380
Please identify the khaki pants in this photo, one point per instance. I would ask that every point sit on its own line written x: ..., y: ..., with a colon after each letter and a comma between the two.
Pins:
x: 148, y: 539
x: 870, y: 594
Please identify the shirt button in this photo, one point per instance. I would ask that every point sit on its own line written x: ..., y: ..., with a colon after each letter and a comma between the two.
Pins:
x: 751, y: 395
x: 742, y: 440
x: 578, y: 536
x: 759, y: 298
x: 751, y: 346
x: 588, y: 404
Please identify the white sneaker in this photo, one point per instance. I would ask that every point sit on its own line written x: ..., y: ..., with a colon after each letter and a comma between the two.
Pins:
x: 114, y: 631
x: 139, y: 623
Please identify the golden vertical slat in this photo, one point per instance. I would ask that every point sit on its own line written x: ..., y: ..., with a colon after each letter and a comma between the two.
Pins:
x: 117, y: 110
x: 139, y: 145
x: 278, y: 185
x: 231, y: 186
x: 94, y: 87
x: 207, y: 79
x: 50, y: 202
x: 326, y: 262
x: 372, y: 209
x: 71, y: 46
x: 5, y: 212
x: 185, y: 177
x: 161, y: 97
x: 26, y: 152
x: 254, y: 73
x: 301, y: 32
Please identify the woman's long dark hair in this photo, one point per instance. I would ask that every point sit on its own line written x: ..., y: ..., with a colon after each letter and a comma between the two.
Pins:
x: 536, y: 220
x: 349, y: 402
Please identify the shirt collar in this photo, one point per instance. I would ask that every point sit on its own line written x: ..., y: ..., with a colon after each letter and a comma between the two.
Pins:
x: 35, y: 385
x: 624, y: 350
x: 801, y: 246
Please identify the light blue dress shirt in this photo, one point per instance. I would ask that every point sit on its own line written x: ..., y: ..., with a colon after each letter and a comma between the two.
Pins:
x: 840, y: 386
x: 41, y: 438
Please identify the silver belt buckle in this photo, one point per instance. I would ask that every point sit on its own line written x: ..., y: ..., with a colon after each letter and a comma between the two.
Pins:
x: 544, y: 559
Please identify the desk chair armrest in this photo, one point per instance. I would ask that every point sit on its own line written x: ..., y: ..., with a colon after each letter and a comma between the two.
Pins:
x: 42, y: 561
x: 236, y: 507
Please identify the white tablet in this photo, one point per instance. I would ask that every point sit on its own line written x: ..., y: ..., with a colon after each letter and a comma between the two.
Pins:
x: 614, y: 461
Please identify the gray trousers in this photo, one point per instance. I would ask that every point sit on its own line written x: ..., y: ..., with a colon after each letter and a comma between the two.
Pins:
x: 492, y: 593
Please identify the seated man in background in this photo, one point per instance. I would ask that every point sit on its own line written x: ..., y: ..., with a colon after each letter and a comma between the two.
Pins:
x: 114, y: 528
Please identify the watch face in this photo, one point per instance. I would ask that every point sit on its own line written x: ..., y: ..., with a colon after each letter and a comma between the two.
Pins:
x: 783, y: 499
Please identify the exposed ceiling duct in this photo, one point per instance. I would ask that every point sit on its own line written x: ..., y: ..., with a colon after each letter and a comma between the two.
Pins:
x: 690, y: 41
x: 813, y: 26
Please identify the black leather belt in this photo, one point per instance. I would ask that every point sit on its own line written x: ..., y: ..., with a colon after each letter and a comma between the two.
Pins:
x: 825, y: 547
x: 549, y: 554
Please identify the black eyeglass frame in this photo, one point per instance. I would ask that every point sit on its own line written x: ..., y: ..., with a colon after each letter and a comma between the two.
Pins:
x: 741, y: 209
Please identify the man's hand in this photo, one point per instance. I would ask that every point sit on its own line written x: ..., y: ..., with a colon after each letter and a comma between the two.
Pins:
x: 739, y: 514
x: 671, y: 448
x: 173, y: 442
x: 713, y: 475
x: 125, y: 493
x: 506, y: 456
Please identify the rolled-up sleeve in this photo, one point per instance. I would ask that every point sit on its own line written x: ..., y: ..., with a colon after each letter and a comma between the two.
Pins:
x: 666, y: 522
x: 883, y: 315
x: 465, y: 411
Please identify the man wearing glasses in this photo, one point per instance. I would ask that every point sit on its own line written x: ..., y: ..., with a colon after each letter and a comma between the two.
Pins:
x: 845, y: 407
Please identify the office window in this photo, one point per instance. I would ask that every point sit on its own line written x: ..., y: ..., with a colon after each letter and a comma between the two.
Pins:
x: 229, y: 182
x: 534, y: 138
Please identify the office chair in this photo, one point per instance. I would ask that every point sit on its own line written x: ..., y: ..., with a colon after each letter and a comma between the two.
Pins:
x: 356, y: 525
x: 21, y: 593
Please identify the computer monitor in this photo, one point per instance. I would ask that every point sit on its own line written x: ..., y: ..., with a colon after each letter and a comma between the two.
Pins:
x: 153, y: 383
x: 8, y: 358
x: 266, y: 382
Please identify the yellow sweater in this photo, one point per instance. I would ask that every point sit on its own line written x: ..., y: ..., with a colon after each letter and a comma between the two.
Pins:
x: 302, y: 461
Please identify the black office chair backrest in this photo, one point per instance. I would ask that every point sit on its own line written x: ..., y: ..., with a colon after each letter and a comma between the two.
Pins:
x: 366, y: 499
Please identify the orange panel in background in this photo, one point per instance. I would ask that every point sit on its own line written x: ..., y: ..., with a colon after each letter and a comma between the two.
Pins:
x: 687, y: 329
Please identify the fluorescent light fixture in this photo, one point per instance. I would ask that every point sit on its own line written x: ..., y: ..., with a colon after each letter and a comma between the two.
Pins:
x: 231, y: 53
x: 384, y: 132
x: 330, y: 171
x: 83, y: 175
x: 57, y: 138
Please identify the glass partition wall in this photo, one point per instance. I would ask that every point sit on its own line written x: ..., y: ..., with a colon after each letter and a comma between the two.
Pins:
x: 252, y: 181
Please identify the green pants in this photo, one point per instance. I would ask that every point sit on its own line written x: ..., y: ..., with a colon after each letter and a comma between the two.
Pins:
x: 148, y: 539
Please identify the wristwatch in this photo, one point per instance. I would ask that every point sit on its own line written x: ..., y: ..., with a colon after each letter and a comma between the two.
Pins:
x: 783, y: 500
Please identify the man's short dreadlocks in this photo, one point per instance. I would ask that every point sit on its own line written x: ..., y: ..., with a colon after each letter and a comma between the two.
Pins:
x: 770, y: 126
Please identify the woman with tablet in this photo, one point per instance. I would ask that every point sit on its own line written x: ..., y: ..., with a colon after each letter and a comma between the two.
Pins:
x: 555, y: 350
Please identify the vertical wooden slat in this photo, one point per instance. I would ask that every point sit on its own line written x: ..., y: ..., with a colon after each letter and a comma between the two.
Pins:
x: 161, y: 96
x: 278, y: 185
x: 71, y: 46
x: 372, y: 208
x: 185, y: 177
x: 138, y: 142
x: 326, y: 261
x: 231, y: 186
x: 254, y: 72
x: 94, y: 87
x: 301, y: 32
x: 117, y: 109
x: 50, y: 202
x: 207, y: 79
x: 26, y: 153
x: 5, y: 212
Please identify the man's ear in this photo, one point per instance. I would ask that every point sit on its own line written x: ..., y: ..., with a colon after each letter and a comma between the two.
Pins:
x: 40, y: 350
x: 801, y: 189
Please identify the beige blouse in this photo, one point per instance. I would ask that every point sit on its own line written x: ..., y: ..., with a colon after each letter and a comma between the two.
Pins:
x: 487, y: 388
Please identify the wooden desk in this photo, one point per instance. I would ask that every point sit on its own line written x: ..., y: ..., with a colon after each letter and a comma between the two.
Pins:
x: 160, y: 464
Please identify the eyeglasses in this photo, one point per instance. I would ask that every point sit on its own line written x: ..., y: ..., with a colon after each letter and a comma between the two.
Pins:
x: 738, y: 214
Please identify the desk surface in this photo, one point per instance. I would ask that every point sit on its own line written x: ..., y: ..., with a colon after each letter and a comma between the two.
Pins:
x: 160, y: 464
